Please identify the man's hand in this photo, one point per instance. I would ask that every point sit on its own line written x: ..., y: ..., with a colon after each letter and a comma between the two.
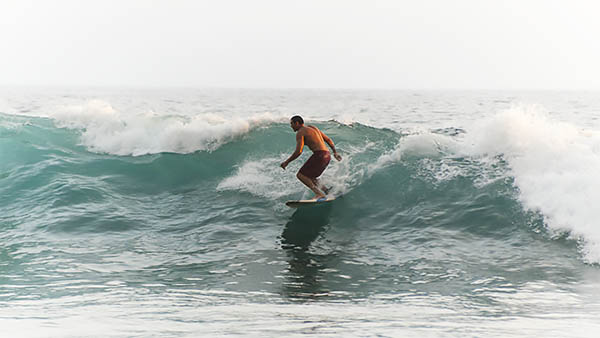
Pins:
x: 284, y: 164
x: 337, y: 156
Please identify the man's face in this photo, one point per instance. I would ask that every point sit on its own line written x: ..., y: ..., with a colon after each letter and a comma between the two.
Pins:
x: 295, y: 125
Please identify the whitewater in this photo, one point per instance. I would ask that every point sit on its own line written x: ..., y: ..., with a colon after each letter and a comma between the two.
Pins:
x: 160, y: 212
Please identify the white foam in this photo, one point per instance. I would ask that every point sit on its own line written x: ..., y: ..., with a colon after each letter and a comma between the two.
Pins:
x: 107, y: 130
x: 263, y: 178
x: 421, y: 144
x: 555, y: 165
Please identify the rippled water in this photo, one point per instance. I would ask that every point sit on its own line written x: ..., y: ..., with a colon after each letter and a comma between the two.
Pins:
x: 161, y: 213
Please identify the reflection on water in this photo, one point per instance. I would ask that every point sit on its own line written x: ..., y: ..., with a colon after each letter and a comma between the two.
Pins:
x: 305, y: 268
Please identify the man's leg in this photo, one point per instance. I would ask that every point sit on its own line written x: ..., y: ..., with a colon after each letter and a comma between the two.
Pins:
x: 321, y: 186
x: 311, y: 185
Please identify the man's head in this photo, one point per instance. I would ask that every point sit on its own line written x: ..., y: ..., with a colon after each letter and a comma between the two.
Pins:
x: 296, y: 122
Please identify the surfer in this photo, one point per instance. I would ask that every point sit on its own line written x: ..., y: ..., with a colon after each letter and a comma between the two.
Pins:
x: 316, y: 164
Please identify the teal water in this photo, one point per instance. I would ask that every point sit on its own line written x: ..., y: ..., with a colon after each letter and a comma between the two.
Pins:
x: 431, y: 235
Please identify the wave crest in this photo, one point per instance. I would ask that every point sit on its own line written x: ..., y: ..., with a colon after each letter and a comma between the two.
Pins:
x: 555, y: 167
x: 107, y: 130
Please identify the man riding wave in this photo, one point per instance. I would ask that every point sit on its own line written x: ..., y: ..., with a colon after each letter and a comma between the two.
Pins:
x: 315, y: 139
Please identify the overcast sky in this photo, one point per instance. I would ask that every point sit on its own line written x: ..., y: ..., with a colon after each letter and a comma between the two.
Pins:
x: 420, y: 44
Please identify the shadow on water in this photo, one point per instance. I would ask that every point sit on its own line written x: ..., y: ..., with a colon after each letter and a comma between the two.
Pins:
x: 305, y: 225
x: 305, y: 268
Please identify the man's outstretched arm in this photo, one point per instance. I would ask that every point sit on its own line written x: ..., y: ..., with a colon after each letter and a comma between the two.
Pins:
x: 297, y: 151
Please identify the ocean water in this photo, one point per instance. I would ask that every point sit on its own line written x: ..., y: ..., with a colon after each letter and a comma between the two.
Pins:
x: 160, y: 212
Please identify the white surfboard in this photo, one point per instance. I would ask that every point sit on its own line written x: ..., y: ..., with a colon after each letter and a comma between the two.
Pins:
x: 313, y: 202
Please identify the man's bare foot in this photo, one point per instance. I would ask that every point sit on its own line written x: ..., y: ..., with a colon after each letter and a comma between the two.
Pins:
x: 319, y: 196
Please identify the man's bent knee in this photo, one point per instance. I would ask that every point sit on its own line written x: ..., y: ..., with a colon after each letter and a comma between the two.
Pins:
x: 301, y: 176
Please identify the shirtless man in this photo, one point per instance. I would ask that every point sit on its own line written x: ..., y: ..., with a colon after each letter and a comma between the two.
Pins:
x: 316, y: 164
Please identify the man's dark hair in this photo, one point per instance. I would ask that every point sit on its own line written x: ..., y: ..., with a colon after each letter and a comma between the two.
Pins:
x: 297, y: 119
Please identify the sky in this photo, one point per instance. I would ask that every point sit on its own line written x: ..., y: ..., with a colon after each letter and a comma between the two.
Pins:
x: 424, y: 44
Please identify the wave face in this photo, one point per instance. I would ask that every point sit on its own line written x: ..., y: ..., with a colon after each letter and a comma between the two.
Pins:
x: 119, y: 205
x: 485, y: 182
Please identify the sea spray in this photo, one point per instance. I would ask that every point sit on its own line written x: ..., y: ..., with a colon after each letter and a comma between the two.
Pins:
x: 107, y: 130
x: 555, y: 167
x: 261, y: 177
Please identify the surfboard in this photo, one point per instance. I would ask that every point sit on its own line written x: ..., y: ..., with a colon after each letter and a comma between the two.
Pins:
x: 300, y: 203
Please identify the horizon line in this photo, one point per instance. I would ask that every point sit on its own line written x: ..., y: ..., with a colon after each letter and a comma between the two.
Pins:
x: 209, y: 87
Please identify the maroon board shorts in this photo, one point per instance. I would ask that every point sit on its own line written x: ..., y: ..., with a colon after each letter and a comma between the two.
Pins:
x: 316, y: 164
